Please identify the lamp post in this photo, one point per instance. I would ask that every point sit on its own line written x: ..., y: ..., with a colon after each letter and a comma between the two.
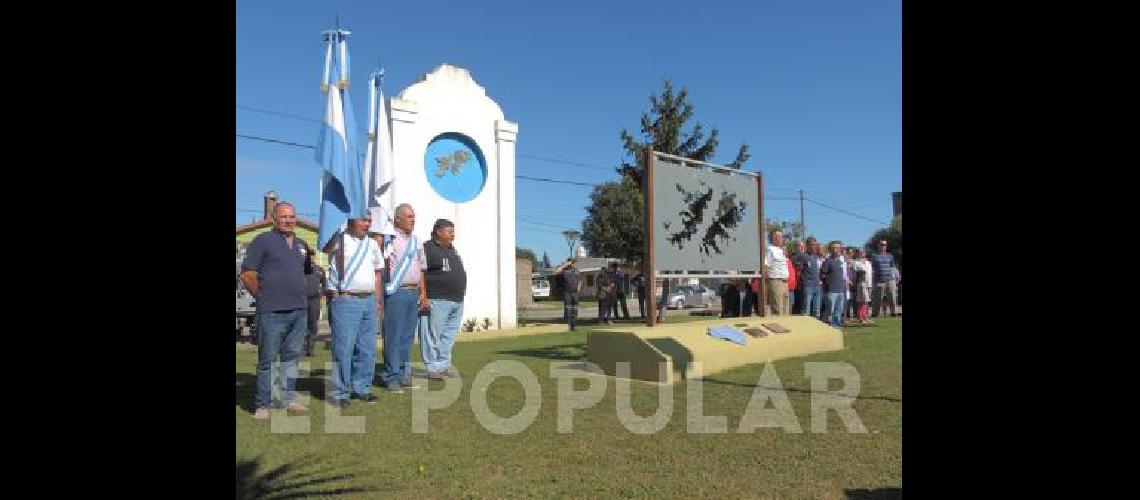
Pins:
x: 571, y: 238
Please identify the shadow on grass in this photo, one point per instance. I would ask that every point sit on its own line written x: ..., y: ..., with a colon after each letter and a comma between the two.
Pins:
x: 793, y: 389
x: 245, y: 388
x: 569, y: 352
x: 875, y: 494
x: 289, y: 481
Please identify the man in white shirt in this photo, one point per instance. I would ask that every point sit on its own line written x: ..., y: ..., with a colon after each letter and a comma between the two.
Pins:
x: 776, y: 274
x: 355, y: 299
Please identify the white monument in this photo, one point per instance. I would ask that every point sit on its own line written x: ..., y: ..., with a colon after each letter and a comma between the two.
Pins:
x: 454, y: 156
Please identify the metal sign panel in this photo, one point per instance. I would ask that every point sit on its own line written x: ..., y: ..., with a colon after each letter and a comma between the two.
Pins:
x: 706, y: 219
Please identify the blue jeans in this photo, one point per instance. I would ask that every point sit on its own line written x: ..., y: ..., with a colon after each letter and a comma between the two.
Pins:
x: 811, y: 300
x: 437, y: 333
x: 570, y: 308
x: 353, y: 322
x: 835, y: 309
x: 401, y: 317
x: 281, y: 334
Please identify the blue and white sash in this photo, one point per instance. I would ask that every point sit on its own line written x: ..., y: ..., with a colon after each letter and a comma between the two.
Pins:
x: 397, y: 277
x: 353, y: 264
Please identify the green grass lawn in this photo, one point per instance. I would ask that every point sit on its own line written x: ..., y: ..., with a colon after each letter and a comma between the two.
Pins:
x: 600, y: 458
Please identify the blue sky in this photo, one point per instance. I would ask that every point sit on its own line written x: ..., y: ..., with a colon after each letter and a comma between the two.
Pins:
x: 813, y: 87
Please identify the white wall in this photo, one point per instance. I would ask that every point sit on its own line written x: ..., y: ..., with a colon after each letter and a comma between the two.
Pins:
x: 448, y: 100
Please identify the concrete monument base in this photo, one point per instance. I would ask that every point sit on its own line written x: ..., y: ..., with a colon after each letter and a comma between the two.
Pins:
x: 680, y: 344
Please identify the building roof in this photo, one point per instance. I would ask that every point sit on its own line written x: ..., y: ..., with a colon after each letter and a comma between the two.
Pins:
x: 305, y: 223
x: 594, y: 263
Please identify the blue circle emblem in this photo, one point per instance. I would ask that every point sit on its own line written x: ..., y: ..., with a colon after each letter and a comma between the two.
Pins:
x: 455, y: 167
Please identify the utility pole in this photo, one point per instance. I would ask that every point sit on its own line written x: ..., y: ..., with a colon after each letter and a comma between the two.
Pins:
x: 803, y: 229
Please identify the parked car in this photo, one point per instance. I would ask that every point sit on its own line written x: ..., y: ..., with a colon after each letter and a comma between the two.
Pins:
x: 540, y: 288
x: 681, y: 296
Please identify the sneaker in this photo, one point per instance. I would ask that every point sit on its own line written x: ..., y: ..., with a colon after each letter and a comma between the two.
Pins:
x: 394, y: 388
x: 261, y: 414
x: 339, y: 403
x: 367, y: 398
x: 410, y: 385
x: 437, y: 375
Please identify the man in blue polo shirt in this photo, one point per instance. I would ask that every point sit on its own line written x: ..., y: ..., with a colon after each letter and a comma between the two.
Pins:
x: 883, y: 263
x: 274, y: 272
x: 834, y: 283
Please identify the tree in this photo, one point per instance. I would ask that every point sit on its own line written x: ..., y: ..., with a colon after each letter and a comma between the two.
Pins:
x: 662, y: 126
x: 528, y: 254
x: 615, y: 221
x: 614, y: 225
x: 791, y: 230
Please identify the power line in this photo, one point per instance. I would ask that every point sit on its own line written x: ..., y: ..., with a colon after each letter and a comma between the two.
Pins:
x: 278, y: 113
x: 287, y: 143
x: 565, y: 162
x: 531, y: 220
x: 553, y: 180
x: 840, y: 210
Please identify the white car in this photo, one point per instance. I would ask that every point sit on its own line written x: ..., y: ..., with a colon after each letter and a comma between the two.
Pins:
x: 690, y: 295
x: 540, y: 288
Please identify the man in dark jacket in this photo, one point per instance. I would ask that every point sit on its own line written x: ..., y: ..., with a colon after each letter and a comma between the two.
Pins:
x: 807, y: 280
x: 314, y: 285
x: 639, y: 283
x: 606, y: 287
x: 571, y: 287
x: 621, y: 290
x: 799, y: 261
x: 730, y: 300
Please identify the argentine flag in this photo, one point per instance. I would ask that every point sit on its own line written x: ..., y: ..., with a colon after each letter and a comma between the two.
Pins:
x: 342, y: 195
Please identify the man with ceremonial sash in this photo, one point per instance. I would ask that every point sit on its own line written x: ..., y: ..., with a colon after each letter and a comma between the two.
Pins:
x: 405, y: 294
x: 354, y: 302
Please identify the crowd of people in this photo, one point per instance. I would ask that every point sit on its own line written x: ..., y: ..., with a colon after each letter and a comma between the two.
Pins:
x: 415, y: 287
x: 613, y: 287
x: 840, y: 287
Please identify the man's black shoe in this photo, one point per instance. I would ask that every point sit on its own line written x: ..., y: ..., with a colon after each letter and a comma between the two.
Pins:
x: 367, y: 398
x: 339, y: 403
